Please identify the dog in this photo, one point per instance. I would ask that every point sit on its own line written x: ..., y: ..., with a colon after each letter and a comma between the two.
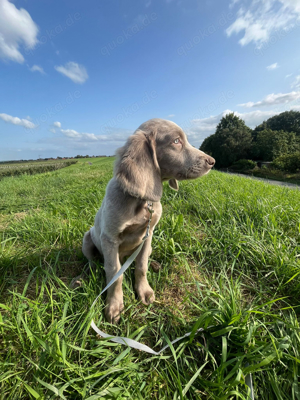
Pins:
x: 157, y: 151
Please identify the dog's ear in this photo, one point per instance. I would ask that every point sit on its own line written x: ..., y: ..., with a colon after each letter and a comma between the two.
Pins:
x: 137, y: 169
x: 173, y: 183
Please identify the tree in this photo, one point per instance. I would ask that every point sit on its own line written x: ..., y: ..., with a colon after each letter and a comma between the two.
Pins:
x: 271, y: 144
x: 288, y: 121
x: 231, y: 141
x: 290, y: 162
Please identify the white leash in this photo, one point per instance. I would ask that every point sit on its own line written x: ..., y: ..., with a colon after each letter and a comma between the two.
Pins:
x: 123, y: 340
x: 133, y: 343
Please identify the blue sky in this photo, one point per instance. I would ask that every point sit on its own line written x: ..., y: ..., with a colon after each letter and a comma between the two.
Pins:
x: 79, y: 77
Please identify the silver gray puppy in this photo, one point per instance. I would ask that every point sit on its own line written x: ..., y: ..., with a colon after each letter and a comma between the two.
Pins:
x: 157, y: 151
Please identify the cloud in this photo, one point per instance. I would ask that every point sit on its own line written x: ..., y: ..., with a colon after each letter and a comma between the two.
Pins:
x: 37, y: 68
x: 296, y: 83
x: 77, y: 73
x: 171, y: 115
x: 16, y: 28
x: 258, y: 20
x: 57, y: 124
x: 254, y: 118
x: 17, y: 121
x: 273, y: 99
x: 272, y: 66
x: 88, y: 137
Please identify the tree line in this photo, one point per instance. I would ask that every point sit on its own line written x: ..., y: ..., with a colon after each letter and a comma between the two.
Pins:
x: 276, y: 140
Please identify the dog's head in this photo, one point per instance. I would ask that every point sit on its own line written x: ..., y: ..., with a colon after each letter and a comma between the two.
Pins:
x: 158, y: 151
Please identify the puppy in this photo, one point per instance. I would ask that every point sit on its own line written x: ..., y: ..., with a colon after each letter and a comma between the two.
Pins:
x: 157, y: 151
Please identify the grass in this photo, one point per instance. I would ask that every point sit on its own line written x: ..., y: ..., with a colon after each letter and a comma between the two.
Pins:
x: 230, y: 254
x: 31, y: 168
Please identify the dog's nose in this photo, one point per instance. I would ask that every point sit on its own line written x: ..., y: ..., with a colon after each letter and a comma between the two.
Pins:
x: 210, y: 161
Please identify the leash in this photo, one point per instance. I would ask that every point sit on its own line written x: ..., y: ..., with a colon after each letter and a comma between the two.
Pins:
x: 133, y: 343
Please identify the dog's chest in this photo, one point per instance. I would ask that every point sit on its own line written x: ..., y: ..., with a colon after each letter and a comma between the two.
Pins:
x: 138, y: 224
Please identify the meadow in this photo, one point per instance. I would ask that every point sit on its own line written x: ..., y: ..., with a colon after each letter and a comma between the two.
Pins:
x: 34, y: 167
x: 230, y: 254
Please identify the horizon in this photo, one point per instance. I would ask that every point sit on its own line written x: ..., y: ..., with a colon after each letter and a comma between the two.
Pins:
x: 80, y: 79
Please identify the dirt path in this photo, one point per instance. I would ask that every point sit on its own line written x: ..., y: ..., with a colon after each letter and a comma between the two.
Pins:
x: 272, y: 182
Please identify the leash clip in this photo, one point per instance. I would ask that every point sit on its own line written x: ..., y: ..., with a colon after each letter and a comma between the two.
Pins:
x: 151, y: 211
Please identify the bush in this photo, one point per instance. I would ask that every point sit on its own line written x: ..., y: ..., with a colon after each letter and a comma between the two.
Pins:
x: 288, y: 162
x: 243, y: 165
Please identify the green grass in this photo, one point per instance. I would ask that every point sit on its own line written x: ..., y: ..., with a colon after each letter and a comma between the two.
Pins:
x: 32, y: 168
x: 230, y: 254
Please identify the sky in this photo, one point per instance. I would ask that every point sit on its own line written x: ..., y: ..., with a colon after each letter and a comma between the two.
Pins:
x: 77, y: 78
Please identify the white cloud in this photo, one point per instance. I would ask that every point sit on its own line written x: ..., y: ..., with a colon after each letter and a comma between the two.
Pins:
x: 254, y: 118
x: 77, y: 73
x: 18, y: 121
x: 272, y: 66
x: 258, y: 20
x: 208, y: 124
x: 71, y: 133
x: 288, y: 75
x: 296, y: 83
x: 57, y: 124
x: 274, y: 99
x: 171, y: 115
x: 52, y: 130
x: 37, y: 68
x: 82, y: 136
x: 88, y: 137
x: 16, y: 28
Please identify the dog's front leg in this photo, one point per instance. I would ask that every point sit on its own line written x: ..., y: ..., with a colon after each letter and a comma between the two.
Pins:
x: 114, y: 300
x: 142, y: 287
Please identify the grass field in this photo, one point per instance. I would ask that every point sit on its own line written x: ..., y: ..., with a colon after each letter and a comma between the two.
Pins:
x: 32, y: 168
x: 230, y: 253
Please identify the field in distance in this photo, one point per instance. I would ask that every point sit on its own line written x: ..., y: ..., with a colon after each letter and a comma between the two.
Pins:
x: 33, y: 167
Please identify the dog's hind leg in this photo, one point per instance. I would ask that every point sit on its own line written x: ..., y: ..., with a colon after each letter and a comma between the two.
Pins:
x: 92, y: 254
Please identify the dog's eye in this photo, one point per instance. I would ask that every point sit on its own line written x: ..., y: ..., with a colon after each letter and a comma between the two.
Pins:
x: 176, y: 141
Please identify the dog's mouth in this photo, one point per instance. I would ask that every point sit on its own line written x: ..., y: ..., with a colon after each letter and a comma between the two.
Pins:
x: 197, y: 170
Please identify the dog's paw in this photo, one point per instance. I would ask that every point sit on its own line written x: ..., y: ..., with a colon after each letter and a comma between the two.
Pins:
x: 113, y: 310
x: 145, y: 293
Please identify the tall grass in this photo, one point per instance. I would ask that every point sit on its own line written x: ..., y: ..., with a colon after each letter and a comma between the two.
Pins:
x: 230, y: 254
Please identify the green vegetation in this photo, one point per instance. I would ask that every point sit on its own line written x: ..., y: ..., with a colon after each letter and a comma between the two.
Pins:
x: 243, y: 165
x: 15, y: 169
x: 277, y: 137
x: 290, y: 163
x: 271, y: 144
x: 288, y: 121
x: 229, y: 249
x: 230, y: 143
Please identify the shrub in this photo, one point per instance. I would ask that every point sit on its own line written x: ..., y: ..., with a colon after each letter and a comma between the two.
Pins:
x: 288, y: 162
x: 243, y: 165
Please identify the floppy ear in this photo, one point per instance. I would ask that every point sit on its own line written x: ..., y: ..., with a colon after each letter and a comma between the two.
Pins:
x: 173, y: 183
x: 137, y: 169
